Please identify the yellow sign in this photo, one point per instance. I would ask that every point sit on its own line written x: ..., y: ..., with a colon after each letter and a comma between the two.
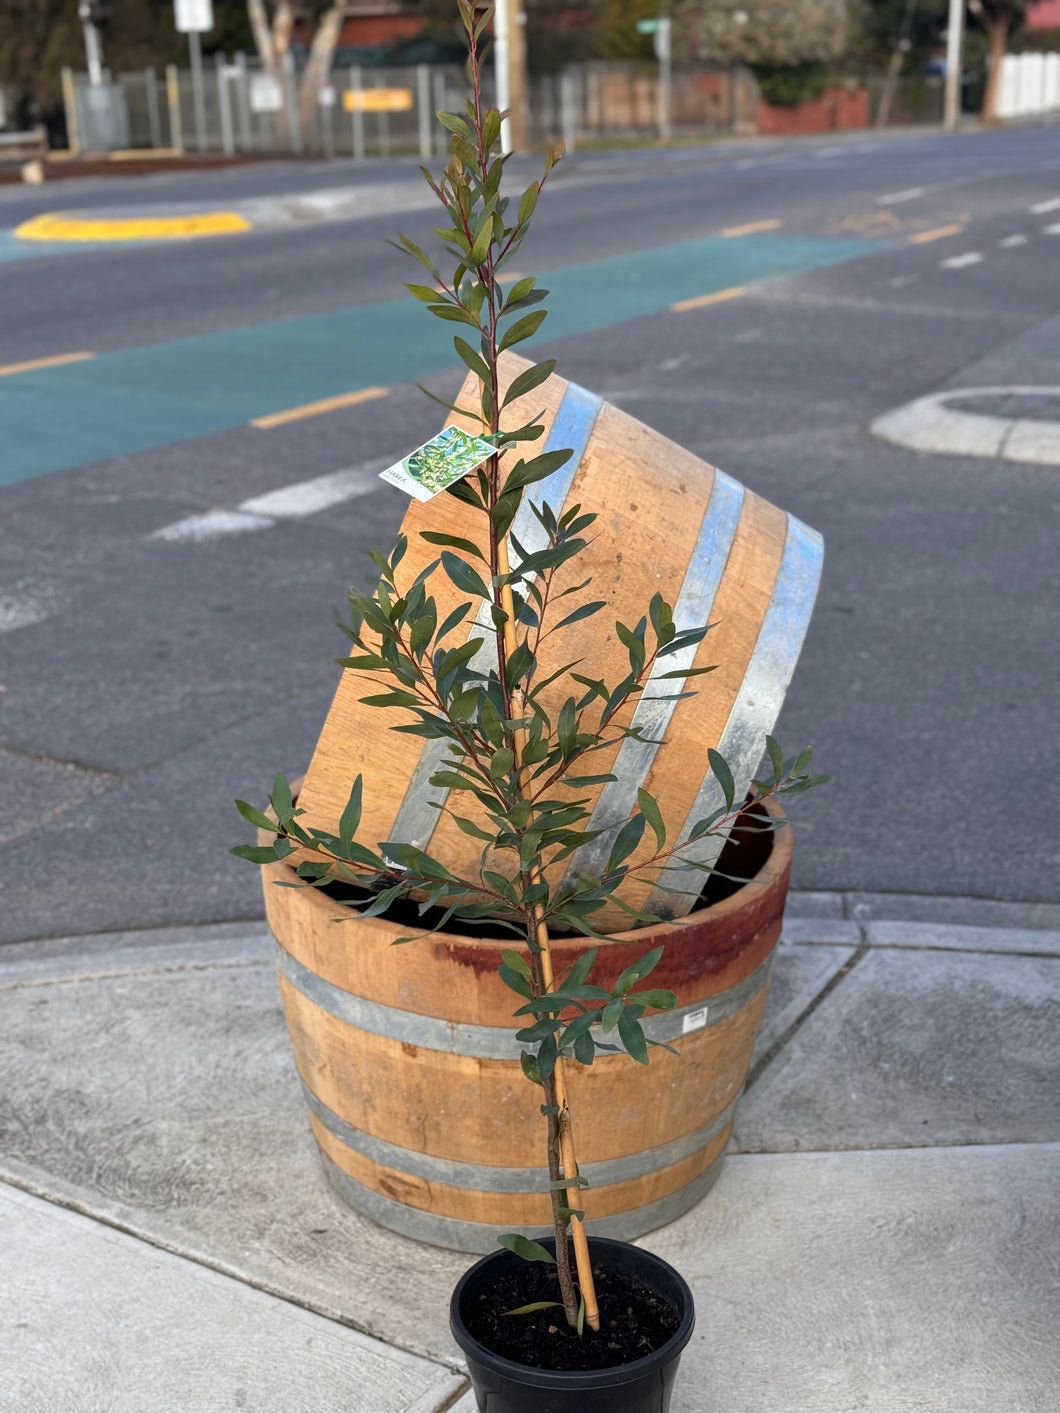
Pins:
x: 377, y: 100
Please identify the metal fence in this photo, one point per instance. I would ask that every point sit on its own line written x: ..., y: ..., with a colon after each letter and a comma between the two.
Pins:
x: 232, y: 106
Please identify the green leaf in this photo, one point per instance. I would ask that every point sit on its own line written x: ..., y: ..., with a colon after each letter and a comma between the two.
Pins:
x: 281, y: 799
x: 586, y: 611
x: 776, y: 757
x: 457, y: 616
x: 255, y: 853
x: 632, y: 1037
x: 463, y: 576
x: 351, y: 815
x: 657, y: 1000
x: 435, y: 537
x: 629, y: 836
x: 522, y: 329
x: 424, y: 293
x: 483, y: 241
x: 527, y: 380
x: 650, y: 810
x: 474, y: 360
x: 581, y: 1316
x: 518, y: 963
x: 534, y: 1304
x: 467, y: 826
x: 723, y: 775
x: 501, y: 762
x: 529, y: 1067
x: 514, y: 981
x: 253, y: 816
x: 527, y: 202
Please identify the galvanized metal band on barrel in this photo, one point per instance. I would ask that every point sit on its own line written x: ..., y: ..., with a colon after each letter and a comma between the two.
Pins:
x: 656, y: 705
x: 571, y: 428
x: 756, y: 707
x: 482, y: 1177
x: 482, y: 1237
x: 491, y: 1042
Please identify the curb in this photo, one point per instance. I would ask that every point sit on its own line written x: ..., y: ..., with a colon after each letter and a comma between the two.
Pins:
x: 928, y: 424
x: 60, y: 226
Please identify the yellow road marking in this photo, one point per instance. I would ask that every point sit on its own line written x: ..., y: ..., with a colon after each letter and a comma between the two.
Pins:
x: 315, y: 409
x: 702, y: 300
x: 56, y: 225
x: 939, y: 233
x: 53, y: 362
x: 753, y: 228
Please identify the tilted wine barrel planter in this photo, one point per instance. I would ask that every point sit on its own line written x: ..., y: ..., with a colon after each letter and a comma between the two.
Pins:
x: 667, y: 522
x: 411, y: 1071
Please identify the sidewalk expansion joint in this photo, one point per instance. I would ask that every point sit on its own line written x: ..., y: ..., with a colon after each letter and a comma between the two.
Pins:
x: 72, y: 1204
x: 830, y: 985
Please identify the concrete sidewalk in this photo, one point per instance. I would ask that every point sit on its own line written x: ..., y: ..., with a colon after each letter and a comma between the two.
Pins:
x: 884, y: 1235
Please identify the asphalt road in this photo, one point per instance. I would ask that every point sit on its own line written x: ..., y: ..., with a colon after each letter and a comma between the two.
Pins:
x: 145, y: 682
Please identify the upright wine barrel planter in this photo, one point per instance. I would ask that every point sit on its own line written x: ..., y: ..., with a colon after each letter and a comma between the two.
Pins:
x: 416, y: 1097
x: 666, y: 522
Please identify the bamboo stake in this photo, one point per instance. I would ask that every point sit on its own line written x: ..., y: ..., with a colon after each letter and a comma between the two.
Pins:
x: 566, y: 1137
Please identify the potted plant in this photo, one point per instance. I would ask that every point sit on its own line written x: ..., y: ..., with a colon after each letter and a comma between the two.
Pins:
x: 571, y: 1321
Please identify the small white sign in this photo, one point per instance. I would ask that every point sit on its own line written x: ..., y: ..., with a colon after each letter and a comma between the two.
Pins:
x: 326, y: 95
x: 193, y: 16
x: 266, y: 95
x: 438, y: 464
x: 695, y: 1020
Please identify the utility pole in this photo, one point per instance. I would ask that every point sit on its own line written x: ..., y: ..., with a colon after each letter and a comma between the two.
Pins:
x: 93, y: 46
x: 954, y: 62
x: 518, y: 125
x: 501, y: 69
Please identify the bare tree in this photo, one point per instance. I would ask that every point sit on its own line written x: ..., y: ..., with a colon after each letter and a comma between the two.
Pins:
x: 273, y: 42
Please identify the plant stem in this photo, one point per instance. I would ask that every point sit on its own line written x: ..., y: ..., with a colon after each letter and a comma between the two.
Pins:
x: 544, y: 958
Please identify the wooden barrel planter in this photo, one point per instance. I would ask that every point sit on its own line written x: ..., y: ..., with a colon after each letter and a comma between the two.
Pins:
x: 667, y: 522
x: 417, y: 1101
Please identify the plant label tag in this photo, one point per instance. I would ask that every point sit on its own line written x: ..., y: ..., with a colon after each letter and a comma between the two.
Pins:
x: 695, y: 1020
x: 438, y: 464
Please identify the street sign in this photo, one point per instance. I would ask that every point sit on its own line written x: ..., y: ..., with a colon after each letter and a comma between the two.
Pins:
x: 377, y: 100
x: 326, y: 95
x: 648, y: 26
x: 266, y: 95
x: 193, y: 16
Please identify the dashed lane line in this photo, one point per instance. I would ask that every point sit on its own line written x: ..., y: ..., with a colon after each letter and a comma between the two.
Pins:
x: 291, y: 502
x: 753, y: 228
x: 1010, y: 242
x: 56, y: 361
x: 1040, y: 207
x: 939, y: 233
x: 317, y: 409
x: 894, y: 197
x: 702, y: 300
x: 958, y: 262
x: 1051, y: 230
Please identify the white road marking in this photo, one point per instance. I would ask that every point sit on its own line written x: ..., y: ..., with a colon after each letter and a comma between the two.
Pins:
x: 958, y: 262
x: 1054, y: 229
x: 293, y: 502
x: 1040, y: 207
x: 25, y: 604
x: 894, y: 197
x: 1010, y: 242
x: 900, y: 281
x: 832, y: 152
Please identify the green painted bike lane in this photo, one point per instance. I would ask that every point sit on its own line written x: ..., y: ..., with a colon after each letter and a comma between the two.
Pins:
x: 58, y: 418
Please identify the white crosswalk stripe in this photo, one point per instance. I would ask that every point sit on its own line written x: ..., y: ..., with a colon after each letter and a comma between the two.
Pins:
x: 292, y: 502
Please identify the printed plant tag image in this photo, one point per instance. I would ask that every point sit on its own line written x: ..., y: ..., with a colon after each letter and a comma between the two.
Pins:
x: 437, y: 464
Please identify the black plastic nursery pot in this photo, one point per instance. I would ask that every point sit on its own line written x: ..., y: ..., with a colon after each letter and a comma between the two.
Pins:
x: 642, y: 1385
